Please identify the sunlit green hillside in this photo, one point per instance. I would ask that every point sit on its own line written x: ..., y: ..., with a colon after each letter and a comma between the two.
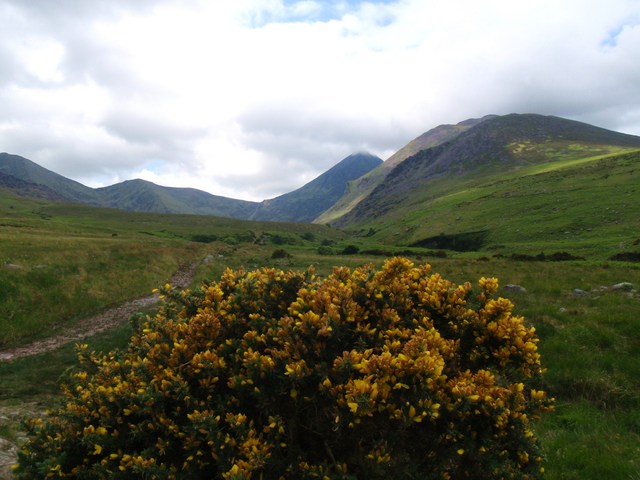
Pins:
x: 587, y: 206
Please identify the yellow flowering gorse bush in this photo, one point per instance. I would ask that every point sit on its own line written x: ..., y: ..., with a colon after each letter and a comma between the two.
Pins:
x: 364, y: 374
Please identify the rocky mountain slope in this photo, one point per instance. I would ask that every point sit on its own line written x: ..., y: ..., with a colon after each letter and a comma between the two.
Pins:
x: 363, y: 186
x: 492, y: 146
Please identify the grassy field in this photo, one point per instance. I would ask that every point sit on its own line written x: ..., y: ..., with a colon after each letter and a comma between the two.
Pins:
x: 60, y: 262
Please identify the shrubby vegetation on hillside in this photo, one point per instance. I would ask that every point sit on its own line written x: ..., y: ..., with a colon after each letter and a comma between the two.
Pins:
x: 365, y: 374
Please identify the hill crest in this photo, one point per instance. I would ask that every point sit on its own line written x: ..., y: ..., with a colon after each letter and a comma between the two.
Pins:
x: 492, y: 147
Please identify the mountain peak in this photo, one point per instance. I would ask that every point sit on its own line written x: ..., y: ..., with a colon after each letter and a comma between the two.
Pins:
x: 310, y: 200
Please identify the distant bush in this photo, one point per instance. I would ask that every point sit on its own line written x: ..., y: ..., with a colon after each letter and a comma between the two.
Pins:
x: 325, y: 250
x: 626, y: 257
x: 204, y: 238
x: 280, y: 253
x: 405, y: 253
x: 231, y: 240
x: 541, y: 257
x: 562, y: 257
x: 461, y: 242
x: 378, y: 252
x: 278, y: 239
x: 350, y: 250
x: 364, y: 374
x: 308, y: 236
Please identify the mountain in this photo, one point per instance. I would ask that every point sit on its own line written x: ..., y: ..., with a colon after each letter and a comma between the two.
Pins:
x: 513, y: 178
x: 363, y: 186
x: 38, y: 178
x: 491, y: 145
x: 310, y: 200
x: 407, y: 199
x: 26, y: 178
x: 143, y: 196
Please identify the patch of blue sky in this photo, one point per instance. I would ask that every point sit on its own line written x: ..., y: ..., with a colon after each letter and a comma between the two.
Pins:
x: 314, y: 11
x: 154, y: 165
x: 611, y: 39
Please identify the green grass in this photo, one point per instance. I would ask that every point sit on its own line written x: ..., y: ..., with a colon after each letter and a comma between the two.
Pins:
x: 60, y: 262
x: 38, y: 376
x: 585, y: 206
x: 590, y: 348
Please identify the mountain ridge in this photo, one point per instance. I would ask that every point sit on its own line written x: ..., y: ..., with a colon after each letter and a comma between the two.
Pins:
x: 26, y: 178
x: 30, y: 172
x: 499, y: 142
x: 144, y: 196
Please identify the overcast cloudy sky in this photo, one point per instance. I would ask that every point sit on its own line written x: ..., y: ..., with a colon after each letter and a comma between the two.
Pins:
x: 253, y: 98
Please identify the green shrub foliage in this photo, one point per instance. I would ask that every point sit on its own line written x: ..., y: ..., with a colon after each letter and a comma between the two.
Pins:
x: 365, y: 374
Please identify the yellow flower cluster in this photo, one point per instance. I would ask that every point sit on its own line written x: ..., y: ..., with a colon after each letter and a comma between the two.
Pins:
x: 389, y: 373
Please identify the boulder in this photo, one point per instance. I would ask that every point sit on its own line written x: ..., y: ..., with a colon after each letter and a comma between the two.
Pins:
x: 623, y: 287
x: 510, y: 287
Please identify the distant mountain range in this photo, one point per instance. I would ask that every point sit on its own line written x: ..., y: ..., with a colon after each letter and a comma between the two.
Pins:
x: 361, y: 189
x: 26, y: 178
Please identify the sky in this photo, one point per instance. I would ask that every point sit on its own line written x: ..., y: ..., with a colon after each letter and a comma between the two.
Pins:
x: 251, y: 99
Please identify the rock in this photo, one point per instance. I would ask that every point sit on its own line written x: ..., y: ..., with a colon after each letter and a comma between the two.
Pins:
x: 8, y: 453
x: 577, y: 292
x: 510, y: 287
x: 622, y: 287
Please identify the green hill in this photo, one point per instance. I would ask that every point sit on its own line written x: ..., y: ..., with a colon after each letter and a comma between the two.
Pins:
x: 143, y: 196
x: 34, y: 178
x: 526, y: 181
x: 27, y: 179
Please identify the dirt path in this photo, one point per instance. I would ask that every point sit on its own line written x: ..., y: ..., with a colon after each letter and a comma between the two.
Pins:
x: 100, y: 322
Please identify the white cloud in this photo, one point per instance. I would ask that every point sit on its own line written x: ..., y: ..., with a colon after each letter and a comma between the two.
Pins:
x: 252, y: 98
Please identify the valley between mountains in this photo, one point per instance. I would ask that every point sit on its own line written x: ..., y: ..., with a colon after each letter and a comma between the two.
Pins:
x: 544, y: 177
